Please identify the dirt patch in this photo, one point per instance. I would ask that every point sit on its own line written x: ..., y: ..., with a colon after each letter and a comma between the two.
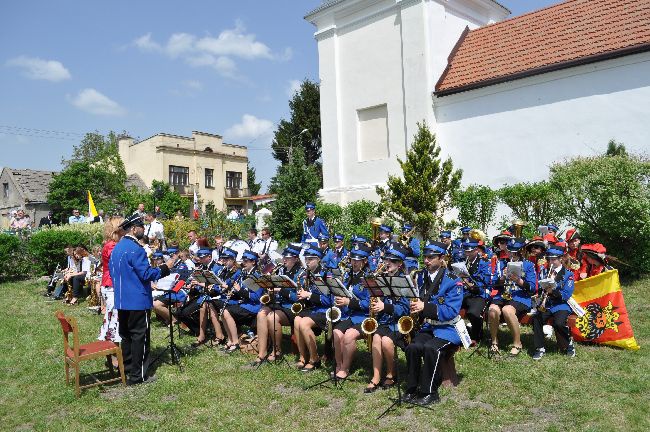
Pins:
x: 25, y: 427
x: 282, y: 389
x: 473, y: 404
x: 169, y: 398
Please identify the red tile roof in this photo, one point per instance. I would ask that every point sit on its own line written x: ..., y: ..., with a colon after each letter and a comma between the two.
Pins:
x: 567, y: 34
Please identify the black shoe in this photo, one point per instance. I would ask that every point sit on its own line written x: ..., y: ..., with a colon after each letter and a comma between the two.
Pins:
x: 149, y: 380
x: 410, y: 396
x: 428, y: 399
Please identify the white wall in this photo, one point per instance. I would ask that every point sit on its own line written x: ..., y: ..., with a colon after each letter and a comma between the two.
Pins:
x: 514, y: 131
x: 382, y: 52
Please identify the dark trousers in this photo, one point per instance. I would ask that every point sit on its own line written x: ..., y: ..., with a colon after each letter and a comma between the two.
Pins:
x: 423, y: 363
x: 78, y: 285
x: 134, y: 330
x: 474, y: 311
x: 560, y: 325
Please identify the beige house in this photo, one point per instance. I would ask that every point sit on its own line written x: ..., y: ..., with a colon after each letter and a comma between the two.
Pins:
x: 203, y: 162
x: 24, y: 189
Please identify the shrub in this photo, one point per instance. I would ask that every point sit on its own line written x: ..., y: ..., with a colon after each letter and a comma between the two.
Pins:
x: 15, y: 263
x: 608, y: 198
x: 477, y: 205
x: 46, y: 246
x: 534, y: 203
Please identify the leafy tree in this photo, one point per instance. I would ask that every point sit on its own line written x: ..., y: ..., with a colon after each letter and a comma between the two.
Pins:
x: 424, y: 193
x: 615, y: 149
x: 534, y: 203
x: 295, y: 184
x: 608, y: 198
x: 305, y: 115
x: 476, y: 206
x: 168, y: 199
x: 253, y: 187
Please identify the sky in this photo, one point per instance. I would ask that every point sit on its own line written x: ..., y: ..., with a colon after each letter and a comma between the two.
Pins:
x: 150, y: 66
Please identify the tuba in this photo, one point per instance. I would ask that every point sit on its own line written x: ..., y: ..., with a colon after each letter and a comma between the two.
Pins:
x: 519, y: 227
x: 375, y: 222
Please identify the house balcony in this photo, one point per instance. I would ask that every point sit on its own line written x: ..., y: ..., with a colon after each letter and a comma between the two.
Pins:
x: 184, y: 190
x: 236, y: 193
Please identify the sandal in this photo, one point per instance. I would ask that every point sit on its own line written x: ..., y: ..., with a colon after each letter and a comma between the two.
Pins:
x: 372, y: 387
x: 274, y: 357
x: 198, y: 343
x: 388, y: 383
x: 300, y: 364
x: 515, y: 350
x: 232, y: 348
x: 494, y: 349
x: 258, y: 361
x: 314, y: 365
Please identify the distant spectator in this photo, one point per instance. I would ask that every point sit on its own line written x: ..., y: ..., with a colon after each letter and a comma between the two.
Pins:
x: 47, y: 221
x: 179, y: 216
x: 155, y: 231
x: 140, y: 211
x: 21, y: 220
x: 76, y: 218
x: 159, y: 214
x: 192, y: 237
x: 233, y: 215
x: 241, y: 215
x: 218, y: 247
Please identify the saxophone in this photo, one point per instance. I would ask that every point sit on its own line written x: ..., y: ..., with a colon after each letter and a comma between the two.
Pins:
x: 369, y: 325
x: 407, y: 323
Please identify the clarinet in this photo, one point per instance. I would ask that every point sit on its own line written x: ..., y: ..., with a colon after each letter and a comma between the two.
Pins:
x: 229, y: 295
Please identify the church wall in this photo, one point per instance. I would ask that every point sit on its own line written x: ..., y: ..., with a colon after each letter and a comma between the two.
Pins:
x: 513, y: 132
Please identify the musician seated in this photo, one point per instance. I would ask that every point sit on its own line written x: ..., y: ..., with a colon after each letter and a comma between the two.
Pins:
x: 244, y: 304
x: 312, y: 316
x: 57, y: 291
x: 211, y: 298
x: 594, y: 257
x: 353, y: 311
x: 513, y: 295
x: 161, y: 303
x: 475, y: 293
x: 387, y: 311
x: 328, y: 261
x: 277, y: 313
x: 439, y: 302
x: 78, y: 278
x: 554, y: 305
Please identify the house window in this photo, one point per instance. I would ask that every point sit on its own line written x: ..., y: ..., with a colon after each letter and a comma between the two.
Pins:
x: 233, y: 180
x: 372, y: 138
x: 179, y: 176
x: 5, y: 190
x: 209, y: 178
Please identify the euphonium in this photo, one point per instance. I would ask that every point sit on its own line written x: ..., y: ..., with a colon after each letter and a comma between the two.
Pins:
x: 519, y: 227
x: 333, y: 314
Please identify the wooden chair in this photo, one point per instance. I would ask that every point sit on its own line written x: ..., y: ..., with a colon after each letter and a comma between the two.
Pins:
x: 75, y: 354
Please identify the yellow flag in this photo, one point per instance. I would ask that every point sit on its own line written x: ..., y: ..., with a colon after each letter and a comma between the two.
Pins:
x: 91, y: 206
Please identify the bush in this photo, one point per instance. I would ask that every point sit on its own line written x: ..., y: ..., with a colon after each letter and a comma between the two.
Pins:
x: 210, y: 225
x: 477, y: 205
x: 46, y: 246
x: 608, y: 198
x: 15, y: 263
x: 534, y: 203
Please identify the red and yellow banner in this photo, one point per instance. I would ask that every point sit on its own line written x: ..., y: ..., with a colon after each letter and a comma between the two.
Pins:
x: 605, y: 321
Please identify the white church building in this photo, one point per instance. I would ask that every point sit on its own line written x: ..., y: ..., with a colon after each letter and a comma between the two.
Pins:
x: 506, y: 98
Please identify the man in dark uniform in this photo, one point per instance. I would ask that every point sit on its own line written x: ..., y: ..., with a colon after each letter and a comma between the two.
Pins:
x: 476, y: 287
x: 132, y: 276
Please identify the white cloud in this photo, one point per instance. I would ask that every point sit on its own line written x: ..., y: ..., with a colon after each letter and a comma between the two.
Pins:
x: 193, y: 84
x: 39, y: 69
x: 216, y: 52
x: 250, y: 127
x: 294, y: 87
x: 92, y: 101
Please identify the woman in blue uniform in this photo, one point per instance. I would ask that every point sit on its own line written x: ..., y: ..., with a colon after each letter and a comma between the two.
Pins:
x: 312, y: 317
x: 353, y: 311
x: 438, y: 305
x: 387, y: 311
x: 512, y: 299
x: 555, y: 306
x: 243, y: 304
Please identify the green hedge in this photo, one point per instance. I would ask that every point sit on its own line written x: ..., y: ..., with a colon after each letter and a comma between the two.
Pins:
x: 15, y: 262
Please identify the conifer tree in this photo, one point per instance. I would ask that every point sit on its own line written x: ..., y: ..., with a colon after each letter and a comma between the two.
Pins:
x: 423, y: 193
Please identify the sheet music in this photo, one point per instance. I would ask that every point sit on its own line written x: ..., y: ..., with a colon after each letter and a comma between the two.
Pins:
x: 250, y: 284
x: 515, y: 268
x: 547, y: 283
x: 460, y: 270
x: 283, y: 281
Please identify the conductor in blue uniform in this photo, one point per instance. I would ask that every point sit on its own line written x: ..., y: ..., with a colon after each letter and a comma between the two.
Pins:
x: 132, y: 276
x: 312, y: 226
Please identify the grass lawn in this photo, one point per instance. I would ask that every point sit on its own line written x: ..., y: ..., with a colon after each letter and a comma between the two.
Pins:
x: 601, y: 389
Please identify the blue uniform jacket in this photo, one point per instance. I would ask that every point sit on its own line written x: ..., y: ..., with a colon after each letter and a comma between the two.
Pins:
x: 557, y: 300
x: 411, y: 262
x: 288, y: 296
x: 337, y: 256
x: 329, y: 260
x: 481, y: 276
x: 310, y: 233
x: 247, y: 299
x: 520, y: 294
x: 393, y: 310
x: 318, y: 302
x: 442, y: 306
x: 358, y: 308
x: 132, y: 275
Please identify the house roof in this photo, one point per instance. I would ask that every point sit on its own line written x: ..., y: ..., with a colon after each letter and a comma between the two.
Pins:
x: 33, y: 185
x: 134, y: 180
x: 560, y: 36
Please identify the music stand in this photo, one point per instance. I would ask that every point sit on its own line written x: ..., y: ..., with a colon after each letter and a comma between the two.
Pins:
x: 174, y: 351
x: 269, y: 283
x: 399, y: 286
x: 332, y: 287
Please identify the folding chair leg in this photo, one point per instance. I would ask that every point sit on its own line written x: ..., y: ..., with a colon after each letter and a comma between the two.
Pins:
x: 67, y: 371
x: 120, y: 365
x: 76, y: 381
